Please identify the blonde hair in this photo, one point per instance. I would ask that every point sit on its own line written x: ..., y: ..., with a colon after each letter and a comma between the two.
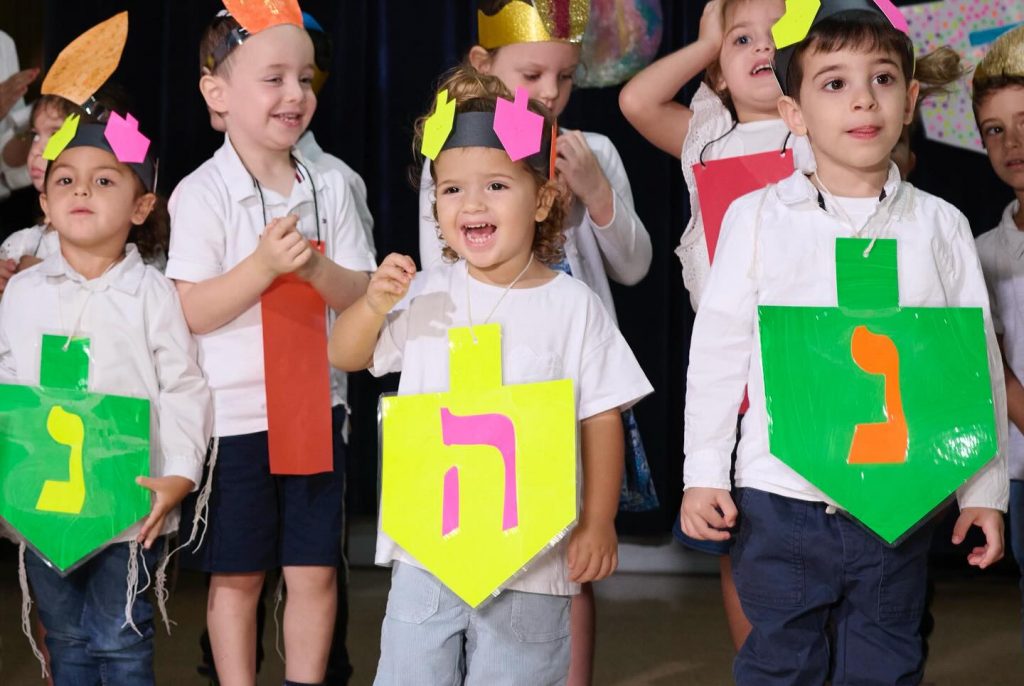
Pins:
x: 474, y: 91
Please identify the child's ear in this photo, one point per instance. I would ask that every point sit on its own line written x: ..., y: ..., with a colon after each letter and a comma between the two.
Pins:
x: 44, y: 206
x: 546, y: 197
x: 143, y: 206
x: 212, y: 88
x: 913, y: 90
x: 789, y: 110
x: 480, y: 59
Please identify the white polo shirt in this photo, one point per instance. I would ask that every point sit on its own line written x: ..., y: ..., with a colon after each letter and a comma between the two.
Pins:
x: 1001, y: 252
x: 217, y: 217
x: 778, y: 248
x: 140, y: 346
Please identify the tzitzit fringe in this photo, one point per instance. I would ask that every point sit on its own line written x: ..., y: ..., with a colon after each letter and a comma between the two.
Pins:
x: 26, y: 610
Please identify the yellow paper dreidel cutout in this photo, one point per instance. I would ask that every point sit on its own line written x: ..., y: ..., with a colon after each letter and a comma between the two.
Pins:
x: 88, y: 61
x: 438, y: 126
x: 795, y: 23
x: 476, y: 482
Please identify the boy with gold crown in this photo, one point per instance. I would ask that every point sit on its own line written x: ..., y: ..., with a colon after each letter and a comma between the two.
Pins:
x: 259, y: 233
x: 999, y: 110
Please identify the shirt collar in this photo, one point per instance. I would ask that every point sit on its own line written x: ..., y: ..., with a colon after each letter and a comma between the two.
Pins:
x: 125, y: 276
x: 240, y: 183
x: 797, y: 190
x: 1013, y: 236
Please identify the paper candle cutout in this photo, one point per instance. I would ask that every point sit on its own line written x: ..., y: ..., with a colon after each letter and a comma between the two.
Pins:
x: 69, y: 458
x: 256, y: 15
x: 478, y: 481
x: 438, y: 126
x: 128, y: 144
x: 969, y: 28
x: 297, y: 377
x: 520, y: 131
x: 795, y: 23
x: 88, y: 61
x: 61, y: 137
x: 886, y: 409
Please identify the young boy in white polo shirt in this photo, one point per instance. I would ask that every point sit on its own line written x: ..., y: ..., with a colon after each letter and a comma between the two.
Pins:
x: 798, y: 564
x: 241, y: 220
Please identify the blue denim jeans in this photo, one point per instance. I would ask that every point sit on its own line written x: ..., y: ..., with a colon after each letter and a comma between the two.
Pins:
x: 83, y: 614
x: 799, y: 569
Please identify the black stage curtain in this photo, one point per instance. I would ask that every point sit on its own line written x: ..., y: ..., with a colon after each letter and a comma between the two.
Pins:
x: 388, y: 54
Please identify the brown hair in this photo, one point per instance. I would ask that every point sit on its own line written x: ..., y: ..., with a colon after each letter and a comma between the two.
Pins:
x: 152, y: 236
x: 856, y: 29
x: 983, y: 88
x: 214, y: 39
x: 110, y: 97
x: 713, y: 72
x: 476, y: 92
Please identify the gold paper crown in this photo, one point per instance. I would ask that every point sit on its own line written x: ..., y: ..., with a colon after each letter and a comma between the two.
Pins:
x: 1005, y: 58
x: 533, y: 21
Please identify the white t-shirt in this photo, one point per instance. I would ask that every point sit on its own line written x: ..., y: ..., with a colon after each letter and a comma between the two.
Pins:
x: 140, y: 346
x: 557, y: 330
x: 37, y: 241
x: 620, y: 250
x: 217, y: 217
x: 1001, y: 251
x: 778, y: 248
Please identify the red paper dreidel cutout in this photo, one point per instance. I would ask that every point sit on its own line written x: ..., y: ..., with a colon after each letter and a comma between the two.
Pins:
x: 297, y: 377
x: 719, y: 182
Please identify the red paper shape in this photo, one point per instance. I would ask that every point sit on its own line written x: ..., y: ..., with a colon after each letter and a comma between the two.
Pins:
x: 719, y: 182
x: 298, y: 378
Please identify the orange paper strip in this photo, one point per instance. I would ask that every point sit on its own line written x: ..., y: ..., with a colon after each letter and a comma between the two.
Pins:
x: 297, y: 377
x: 257, y: 15
x: 88, y: 61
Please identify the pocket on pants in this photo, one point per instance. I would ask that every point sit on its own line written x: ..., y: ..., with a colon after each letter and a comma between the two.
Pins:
x: 539, y: 618
x: 767, y: 557
x: 414, y: 596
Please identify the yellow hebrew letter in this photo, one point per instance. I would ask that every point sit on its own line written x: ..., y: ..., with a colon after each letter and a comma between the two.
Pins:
x: 65, y: 496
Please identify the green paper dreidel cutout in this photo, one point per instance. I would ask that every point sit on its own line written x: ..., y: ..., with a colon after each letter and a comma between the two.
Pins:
x: 69, y: 458
x: 885, y: 409
x: 477, y: 481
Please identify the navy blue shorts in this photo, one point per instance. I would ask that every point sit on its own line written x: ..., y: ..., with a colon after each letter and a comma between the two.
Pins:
x: 259, y: 521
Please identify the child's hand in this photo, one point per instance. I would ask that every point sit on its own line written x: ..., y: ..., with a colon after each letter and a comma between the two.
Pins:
x: 580, y: 170
x: 27, y: 261
x: 282, y: 249
x: 593, y: 551
x: 390, y: 283
x: 8, y: 268
x: 169, y: 490
x: 706, y: 512
x: 990, y: 521
x: 710, y: 30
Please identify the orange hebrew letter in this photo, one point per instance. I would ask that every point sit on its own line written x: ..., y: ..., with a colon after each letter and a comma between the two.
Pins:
x: 881, y: 442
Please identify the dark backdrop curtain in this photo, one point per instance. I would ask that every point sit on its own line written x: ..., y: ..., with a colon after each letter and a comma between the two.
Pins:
x: 388, y: 53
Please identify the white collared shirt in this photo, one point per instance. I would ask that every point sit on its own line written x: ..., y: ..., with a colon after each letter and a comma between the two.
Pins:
x: 140, y: 346
x: 36, y: 241
x: 778, y: 248
x: 1001, y: 251
x: 216, y: 220
x: 620, y: 250
x: 559, y: 330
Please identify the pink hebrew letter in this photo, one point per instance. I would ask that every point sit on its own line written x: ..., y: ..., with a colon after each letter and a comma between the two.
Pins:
x: 495, y: 430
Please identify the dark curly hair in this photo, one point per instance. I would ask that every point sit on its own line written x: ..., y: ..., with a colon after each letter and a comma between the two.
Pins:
x: 477, y: 92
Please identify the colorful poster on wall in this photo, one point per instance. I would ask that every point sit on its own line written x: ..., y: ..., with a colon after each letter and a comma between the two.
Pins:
x: 886, y: 409
x: 478, y: 481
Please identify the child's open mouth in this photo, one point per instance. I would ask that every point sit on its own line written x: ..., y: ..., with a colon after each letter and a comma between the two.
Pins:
x: 289, y: 119
x: 478, y: 234
x: 761, y: 69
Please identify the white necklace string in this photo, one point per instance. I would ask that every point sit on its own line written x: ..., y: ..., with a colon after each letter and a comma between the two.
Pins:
x: 469, y: 308
x: 841, y: 210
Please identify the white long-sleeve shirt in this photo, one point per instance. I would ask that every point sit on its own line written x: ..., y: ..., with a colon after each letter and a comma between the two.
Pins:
x: 619, y: 250
x: 140, y: 347
x: 777, y: 247
x: 11, y: 178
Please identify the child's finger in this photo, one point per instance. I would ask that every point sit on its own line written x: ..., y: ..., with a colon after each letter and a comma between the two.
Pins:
x: 729, y: 511
x: 960, y: 529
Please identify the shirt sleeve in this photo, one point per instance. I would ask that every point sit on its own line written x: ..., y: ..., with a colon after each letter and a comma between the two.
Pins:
x: 986, y: 256
x: 21, y: 243
x: 430, y: 244
x: 965, y: 287
x: 184, y: 407
x: 720, y: 351
x: 624, y: 241
x: 357, y: 188
x: 8, y: 369
x: 198, y: 236
x: 351, y: 246
x: 610, y: 377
